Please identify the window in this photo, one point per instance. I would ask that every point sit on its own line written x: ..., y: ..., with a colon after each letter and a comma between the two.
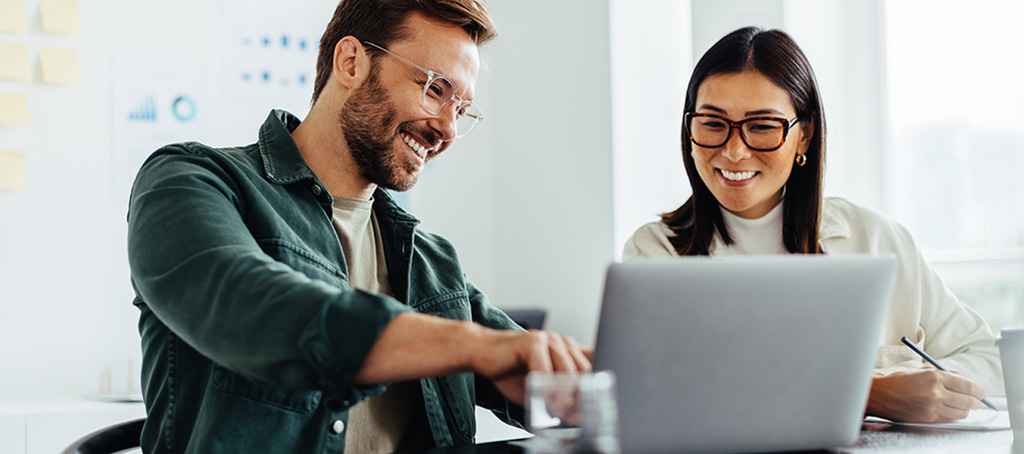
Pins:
x: 955, y: 80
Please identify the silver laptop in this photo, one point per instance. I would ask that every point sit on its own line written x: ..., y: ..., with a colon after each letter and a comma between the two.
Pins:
x: 742, y: 354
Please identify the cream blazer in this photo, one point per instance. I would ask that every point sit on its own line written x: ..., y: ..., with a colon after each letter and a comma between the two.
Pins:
x: 922, y: 308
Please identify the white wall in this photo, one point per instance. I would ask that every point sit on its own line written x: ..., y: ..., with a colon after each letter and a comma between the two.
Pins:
x: 651, y: 63
x: 583, y: 101
x: 66, y: 319
x: 527, y: 198
x: 844, y: 43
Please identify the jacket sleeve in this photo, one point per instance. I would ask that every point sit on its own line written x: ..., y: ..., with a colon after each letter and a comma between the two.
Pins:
x: 487, y: 395
x: 649, y: 241
x: 195, y: 264
x: 950, y: 331
x: 956, y: 335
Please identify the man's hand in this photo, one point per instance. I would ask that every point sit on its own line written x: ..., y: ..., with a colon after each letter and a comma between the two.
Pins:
x: 507, y: 356
x: 417, y: 346
x: 924, y: 395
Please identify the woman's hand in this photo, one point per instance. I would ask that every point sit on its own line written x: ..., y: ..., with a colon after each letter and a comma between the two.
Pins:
x: 924, y: 395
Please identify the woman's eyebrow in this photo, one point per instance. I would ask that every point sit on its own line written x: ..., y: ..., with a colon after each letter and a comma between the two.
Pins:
x: 714, y: 108
x: 763, y: 112
x: 750, y: 113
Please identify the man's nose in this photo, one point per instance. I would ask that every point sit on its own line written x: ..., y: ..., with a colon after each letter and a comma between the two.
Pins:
x: 445, y: 122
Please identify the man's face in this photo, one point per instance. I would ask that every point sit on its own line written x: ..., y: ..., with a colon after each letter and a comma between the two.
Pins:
x: 388, y: 132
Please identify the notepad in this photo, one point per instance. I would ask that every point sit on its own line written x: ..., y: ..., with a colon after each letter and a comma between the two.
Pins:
x: 60, y: 17
x: 14, y: 109
x: 12, y: 17
x: 12, y: 170
x: 14, y: 62
x: 977, y: 420
x: 59, y: 66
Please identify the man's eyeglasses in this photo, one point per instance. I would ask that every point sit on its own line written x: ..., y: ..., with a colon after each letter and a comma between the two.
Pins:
x: 439, y: 93
x: 759, y: 133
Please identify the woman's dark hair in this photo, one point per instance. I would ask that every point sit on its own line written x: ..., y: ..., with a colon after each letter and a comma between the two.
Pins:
x: 774, y: 54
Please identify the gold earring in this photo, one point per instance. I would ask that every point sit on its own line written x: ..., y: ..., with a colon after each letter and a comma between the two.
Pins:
x: 801, y: 160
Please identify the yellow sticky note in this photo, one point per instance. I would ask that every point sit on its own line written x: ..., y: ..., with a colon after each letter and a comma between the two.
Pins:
x: 59, y: 66
x: 60, y: 17
x: 12, y: 17
x: 14, y: 62
x: 12, y: 170
x: 14, y: 109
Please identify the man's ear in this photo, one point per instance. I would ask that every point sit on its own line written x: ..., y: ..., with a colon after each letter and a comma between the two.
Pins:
x: 351, y: 64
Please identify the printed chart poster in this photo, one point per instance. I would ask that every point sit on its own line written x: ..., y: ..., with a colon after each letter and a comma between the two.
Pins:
x: 269, y: 54
x: 154, y: 103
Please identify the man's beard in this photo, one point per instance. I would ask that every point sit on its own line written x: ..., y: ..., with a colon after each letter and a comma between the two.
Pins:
x: 366, y: 122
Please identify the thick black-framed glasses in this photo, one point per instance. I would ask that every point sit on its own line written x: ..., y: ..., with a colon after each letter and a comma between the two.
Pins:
x: 438, y: 93
x: 758, y: 133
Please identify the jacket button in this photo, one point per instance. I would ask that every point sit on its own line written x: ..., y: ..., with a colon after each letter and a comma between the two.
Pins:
x: 338, y: 426
x: 316, y: 189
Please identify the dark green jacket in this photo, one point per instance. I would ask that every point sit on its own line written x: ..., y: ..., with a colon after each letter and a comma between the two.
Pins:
x: 250, y: 333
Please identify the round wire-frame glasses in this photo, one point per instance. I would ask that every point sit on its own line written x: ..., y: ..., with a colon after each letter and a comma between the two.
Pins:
x: 758, y: 133
x: 438, y: 93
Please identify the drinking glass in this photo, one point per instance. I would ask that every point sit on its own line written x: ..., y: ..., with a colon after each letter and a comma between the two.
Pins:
x: 572, y: 413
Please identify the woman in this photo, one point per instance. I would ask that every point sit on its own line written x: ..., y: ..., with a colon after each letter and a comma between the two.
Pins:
x: 754, y: 149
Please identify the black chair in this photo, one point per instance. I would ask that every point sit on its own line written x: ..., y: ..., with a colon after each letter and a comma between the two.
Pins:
x: 109, y: 440
x: 528, y: 318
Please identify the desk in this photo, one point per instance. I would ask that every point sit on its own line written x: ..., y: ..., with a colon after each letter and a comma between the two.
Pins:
x: 879, y: 440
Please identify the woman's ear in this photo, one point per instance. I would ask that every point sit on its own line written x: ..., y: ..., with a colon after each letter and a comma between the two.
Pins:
x: 807, y: 133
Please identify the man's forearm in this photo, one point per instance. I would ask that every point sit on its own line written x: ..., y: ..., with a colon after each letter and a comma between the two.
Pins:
x: 416, y: 346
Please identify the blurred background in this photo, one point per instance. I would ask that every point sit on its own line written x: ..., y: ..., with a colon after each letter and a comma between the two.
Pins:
x: 583, y: 101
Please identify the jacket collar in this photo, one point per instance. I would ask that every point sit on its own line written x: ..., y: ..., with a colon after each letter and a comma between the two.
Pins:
x: 282, y: 161
x: 833, y: 223
x: 384, y: 204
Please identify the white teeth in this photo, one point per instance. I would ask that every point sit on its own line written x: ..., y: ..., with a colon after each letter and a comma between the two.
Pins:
x: 420, y: 149
x: 737, y: 176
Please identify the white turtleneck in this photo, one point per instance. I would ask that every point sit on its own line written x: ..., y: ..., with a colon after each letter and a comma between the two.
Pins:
x: 755, y: 236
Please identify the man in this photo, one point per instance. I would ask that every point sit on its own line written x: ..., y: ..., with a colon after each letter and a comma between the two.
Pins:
x: 280, y: 287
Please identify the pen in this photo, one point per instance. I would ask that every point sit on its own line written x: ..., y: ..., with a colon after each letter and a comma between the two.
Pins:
x: 938, y: 366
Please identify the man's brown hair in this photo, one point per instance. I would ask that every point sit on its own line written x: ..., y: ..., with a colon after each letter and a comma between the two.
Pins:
x: 381, y: 22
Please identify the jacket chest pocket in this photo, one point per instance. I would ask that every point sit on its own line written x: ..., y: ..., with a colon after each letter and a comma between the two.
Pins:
x: 302, y: 402
x: 452, y: 305
x: 304, y: 260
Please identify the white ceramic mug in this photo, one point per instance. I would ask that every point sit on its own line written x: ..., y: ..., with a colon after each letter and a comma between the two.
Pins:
x: 1011, y: 351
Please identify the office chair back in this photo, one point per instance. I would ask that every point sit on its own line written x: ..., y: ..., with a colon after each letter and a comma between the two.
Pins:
x: 110, y: 439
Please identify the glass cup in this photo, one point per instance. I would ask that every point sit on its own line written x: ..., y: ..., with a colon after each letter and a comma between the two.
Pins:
x: 1011, y: 351
x: 572, y: 413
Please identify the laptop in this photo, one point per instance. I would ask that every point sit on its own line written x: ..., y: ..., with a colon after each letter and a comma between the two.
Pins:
x: 742, y: 354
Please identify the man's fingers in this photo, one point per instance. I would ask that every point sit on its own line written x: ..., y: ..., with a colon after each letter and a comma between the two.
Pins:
x: 577, y: 354
x: 540, y: 356
x: 561, y: 359
x: 589, y: 353
x: 554, y: 352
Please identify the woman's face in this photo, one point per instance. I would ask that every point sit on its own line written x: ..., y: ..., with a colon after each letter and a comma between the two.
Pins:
x: 747, y: 182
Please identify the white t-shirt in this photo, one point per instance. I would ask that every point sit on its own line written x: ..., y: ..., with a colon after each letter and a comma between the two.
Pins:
x: 375, y: 425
